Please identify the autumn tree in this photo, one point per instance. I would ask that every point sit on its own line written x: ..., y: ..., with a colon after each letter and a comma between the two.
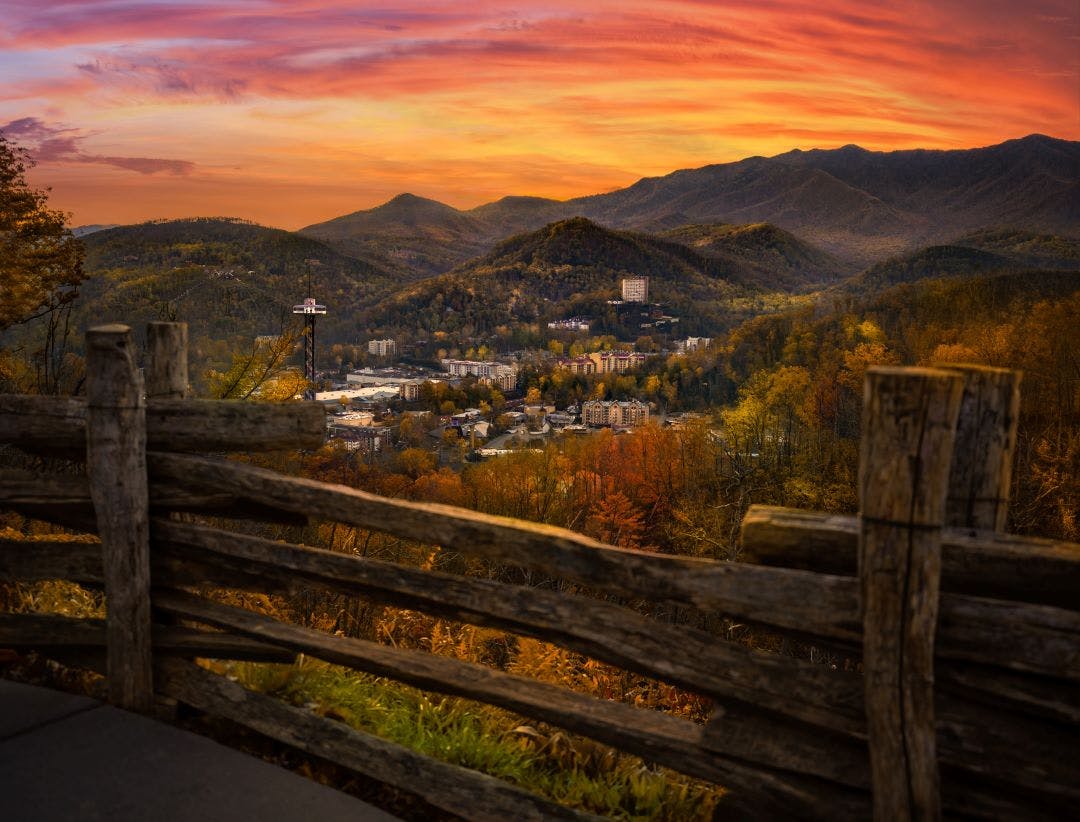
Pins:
x: 40, y: 259
x: 259, y: 372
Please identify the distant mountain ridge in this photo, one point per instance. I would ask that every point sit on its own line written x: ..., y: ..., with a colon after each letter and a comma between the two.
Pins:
x: 857, y: 204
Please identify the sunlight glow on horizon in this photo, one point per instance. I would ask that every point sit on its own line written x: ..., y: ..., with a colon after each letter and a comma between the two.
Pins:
x: 290, y: 112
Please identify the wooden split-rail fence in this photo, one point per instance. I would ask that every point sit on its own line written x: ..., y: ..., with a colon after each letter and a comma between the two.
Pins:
x: 966, y: 703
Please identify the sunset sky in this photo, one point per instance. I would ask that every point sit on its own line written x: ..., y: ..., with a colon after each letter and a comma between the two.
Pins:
x: 289, y: 112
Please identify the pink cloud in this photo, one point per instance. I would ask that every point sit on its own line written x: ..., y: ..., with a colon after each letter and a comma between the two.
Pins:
x: 52, y: 144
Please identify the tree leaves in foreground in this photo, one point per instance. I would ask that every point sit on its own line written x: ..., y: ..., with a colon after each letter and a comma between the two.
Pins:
x: 40, y: 260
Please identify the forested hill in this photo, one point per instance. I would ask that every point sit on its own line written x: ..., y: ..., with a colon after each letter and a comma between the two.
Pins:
x: 569, y: 268
x: 412, y: 236
x: 1003, y: 251
x: 765, y: 255
x: 224, y: 277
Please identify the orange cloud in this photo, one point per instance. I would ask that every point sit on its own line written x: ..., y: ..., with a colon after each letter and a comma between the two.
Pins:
x: 335, y: 106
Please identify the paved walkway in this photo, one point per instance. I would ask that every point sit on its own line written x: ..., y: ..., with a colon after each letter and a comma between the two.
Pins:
x: 65, y: 757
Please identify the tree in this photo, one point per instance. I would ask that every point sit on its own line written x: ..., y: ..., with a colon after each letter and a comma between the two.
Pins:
x: 261, y: 372
x: 40, y: 259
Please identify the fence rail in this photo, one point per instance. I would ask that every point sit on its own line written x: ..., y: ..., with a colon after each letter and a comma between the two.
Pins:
x: 970, y: 700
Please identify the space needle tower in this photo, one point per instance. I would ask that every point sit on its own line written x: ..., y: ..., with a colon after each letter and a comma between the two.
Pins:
x: 310, y: 311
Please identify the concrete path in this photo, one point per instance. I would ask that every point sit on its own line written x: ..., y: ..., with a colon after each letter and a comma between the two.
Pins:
x: 65, y: 757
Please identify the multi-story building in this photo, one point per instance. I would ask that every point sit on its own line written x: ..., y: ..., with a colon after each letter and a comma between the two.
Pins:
x: 598, y: 413
x: 382, y: 348
x: 608, y: 362
x: 572, y: 324
x: 502, y: 376
x: 635, y: 289
x: 367, y: 438
x: 692, y: 344
x: 579, y: 365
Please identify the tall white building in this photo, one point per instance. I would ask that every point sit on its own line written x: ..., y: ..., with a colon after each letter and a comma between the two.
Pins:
x: 382, y: 348
x: 635, y: 289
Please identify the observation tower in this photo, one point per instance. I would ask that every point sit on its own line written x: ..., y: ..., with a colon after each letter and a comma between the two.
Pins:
x: 310, y: 310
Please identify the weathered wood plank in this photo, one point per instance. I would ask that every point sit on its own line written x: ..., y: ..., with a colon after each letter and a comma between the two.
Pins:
x: 814, y: 604
x: 65, y: 500
x: 602, y: 630
x: 61, y: 500
x: 908, y: 424
x: 757, y: 594
x: 220, y: 425
x: 981, y: 472
x: 34, y: 560
x: 1008, y: 749
x: 457, y: 790
x: 739, y: 749
x: 49, y: 424
x: 166, y: 370
x: 1035, y: 638
x: 1014, y: 691
x: 736, y: 758
x: 116, y: 469
x: 58, y: 425
x: 974, y: 631
x: 49, y: 633
x: 981, y: 563
x: 1024, y: 754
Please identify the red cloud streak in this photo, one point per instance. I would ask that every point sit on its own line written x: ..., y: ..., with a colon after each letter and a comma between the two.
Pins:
x: 619, y: 88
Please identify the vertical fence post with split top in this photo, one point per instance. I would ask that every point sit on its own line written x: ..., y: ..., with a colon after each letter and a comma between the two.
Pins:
x: 116, y: 468
x: 985, y: 443
x: 166, y: 371
x: 908, y: 430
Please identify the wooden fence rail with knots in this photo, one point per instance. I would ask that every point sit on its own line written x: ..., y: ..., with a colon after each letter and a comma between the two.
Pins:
x: 968, y: 702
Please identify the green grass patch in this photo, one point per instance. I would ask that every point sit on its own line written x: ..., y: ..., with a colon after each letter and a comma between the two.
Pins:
x: 568, y: 769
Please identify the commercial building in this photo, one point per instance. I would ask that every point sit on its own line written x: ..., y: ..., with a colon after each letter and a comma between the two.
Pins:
x: 382, y: 348
x: 572, y: 324
x: 579, y: 365
x: 500, y: 375
x: 369, y: 439
x: 597, y: 413
x: 635, y: 289
x: 692, y: 344
x: 609, y: 362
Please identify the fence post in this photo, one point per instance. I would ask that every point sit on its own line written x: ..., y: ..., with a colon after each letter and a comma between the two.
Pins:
x: 116, y: 467
x: 908, y: 428
x: 981, y: 472
x: 166, y: 370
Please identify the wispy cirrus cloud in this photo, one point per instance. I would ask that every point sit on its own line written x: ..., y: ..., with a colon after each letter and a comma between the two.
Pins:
x: 60, y: 144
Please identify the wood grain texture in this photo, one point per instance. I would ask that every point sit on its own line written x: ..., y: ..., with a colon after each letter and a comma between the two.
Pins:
x: 166, y: 369
x: 769, y: 596
x: 995, y: 565
x: 36, y: 560
x: 981, y: 473
x: 65, y: 500
x: 58, y: 425
x: 740, y: 756
x: 908, y: 425
x: 460, y: 791
x: 1040, y: 754
x: 116, y: 469
x: 48, y: 633
x: 813, y: 604
x: 602, y: 630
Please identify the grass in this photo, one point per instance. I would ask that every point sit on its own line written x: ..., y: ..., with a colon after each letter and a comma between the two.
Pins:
x: 568, y: 769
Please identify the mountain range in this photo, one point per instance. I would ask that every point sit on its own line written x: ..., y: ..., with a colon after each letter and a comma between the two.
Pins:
x: 858, y: 205
x: 720, y: 244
